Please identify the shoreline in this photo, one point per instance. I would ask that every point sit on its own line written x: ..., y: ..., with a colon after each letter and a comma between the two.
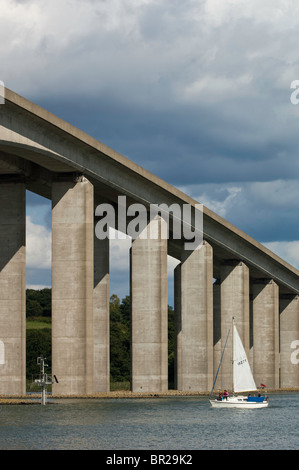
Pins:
x: 34, y: 397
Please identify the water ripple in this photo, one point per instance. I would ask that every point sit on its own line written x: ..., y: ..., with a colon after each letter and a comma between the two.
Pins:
x: 175, y: 423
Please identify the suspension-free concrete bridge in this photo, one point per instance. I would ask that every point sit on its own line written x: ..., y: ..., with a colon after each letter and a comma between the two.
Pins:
x: 230, y: 274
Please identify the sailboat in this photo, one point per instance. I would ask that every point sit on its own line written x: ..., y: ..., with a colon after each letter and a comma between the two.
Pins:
x: 243, y: 380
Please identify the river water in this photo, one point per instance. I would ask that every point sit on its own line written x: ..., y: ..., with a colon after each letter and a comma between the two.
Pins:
x: 173, y: 423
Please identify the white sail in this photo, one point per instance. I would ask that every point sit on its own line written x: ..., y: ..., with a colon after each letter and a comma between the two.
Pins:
x: 242, y: 375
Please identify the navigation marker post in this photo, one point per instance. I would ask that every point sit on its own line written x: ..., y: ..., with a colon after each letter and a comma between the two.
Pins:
x: 44, y: 379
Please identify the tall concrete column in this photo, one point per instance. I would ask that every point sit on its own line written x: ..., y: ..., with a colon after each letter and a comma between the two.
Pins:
x: 194, y: 328
x: 149, y: 336
x: 72, y: 286
x: 234, y: 303
x: 289, y: 341
x: 12, y: 287
x: 265, y: 307
x: 101, y: 296
x: 216, y: 331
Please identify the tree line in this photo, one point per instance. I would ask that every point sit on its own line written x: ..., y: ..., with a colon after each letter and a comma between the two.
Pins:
x: 38, y: 308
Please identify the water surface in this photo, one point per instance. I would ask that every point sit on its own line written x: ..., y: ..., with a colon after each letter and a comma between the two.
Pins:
x: 174, y: 423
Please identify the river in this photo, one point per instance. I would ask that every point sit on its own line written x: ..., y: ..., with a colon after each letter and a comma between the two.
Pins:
x: 173, y: 423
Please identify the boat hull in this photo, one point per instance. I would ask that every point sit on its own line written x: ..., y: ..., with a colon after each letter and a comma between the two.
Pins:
x: 239, y: 402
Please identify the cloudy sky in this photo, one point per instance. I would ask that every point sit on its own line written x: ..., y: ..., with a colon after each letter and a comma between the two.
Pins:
x: 196, y: 91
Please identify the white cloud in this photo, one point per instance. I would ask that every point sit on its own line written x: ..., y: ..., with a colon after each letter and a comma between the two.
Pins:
x: 280, y: 196
x: 140, y: 44
x: 218, y: 88
x: 38, y: 245
x: 289, y: 251
x: 217, y: 198
x: 280, y: 14
x: 119, y: 252
x: 277, y: 193
x: 60, y: 46
x: 225, y: 205
x: 37, y: 286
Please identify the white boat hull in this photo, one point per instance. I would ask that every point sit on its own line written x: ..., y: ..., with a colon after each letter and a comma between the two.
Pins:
x: 238, y: 402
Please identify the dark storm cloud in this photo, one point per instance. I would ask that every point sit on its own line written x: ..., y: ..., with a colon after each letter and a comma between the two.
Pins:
x: 184, y: 145
x: 264, y: 210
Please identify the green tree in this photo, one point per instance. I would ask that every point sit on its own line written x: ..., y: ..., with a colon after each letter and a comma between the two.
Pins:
x: 38, y: 302
x: 115, y: 313
x: 119, y: 352
x: 38, y: 343
x: 125, y: 308
x: 33, y: 308
x: 171, y: 341
x: 119, y: 342
x: 45, y: 300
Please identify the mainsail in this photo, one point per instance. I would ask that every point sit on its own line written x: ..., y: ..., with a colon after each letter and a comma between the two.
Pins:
x: 243, y: 380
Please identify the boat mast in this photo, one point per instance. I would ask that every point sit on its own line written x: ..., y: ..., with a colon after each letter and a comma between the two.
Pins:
x: 233, y: 353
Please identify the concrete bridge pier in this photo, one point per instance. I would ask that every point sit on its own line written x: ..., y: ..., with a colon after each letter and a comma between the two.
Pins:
x: 72, y: 285
x: 12, y: 286
x: 216, y: 331
x: 289, y: 341
x: 101, y: 296
x: 194, y: 319
x: 234, y: 303
x: 149, y: 316
x: 265, y: 307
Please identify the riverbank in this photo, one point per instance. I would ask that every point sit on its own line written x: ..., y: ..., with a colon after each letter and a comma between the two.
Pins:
x: 34, y: 398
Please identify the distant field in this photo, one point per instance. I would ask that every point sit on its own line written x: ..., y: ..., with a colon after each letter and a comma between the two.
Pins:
x: 38, y: 323
x: 115, y: 386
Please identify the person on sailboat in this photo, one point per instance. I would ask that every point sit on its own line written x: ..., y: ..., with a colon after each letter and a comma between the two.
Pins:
x: 225, y: 395
x: 219, y: 398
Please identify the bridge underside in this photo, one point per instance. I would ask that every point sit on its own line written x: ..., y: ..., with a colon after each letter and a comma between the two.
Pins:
x: 230, y: 275
x: 40, y: 171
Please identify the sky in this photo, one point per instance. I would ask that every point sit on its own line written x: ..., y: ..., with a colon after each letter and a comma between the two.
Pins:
x: 199, y: 92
